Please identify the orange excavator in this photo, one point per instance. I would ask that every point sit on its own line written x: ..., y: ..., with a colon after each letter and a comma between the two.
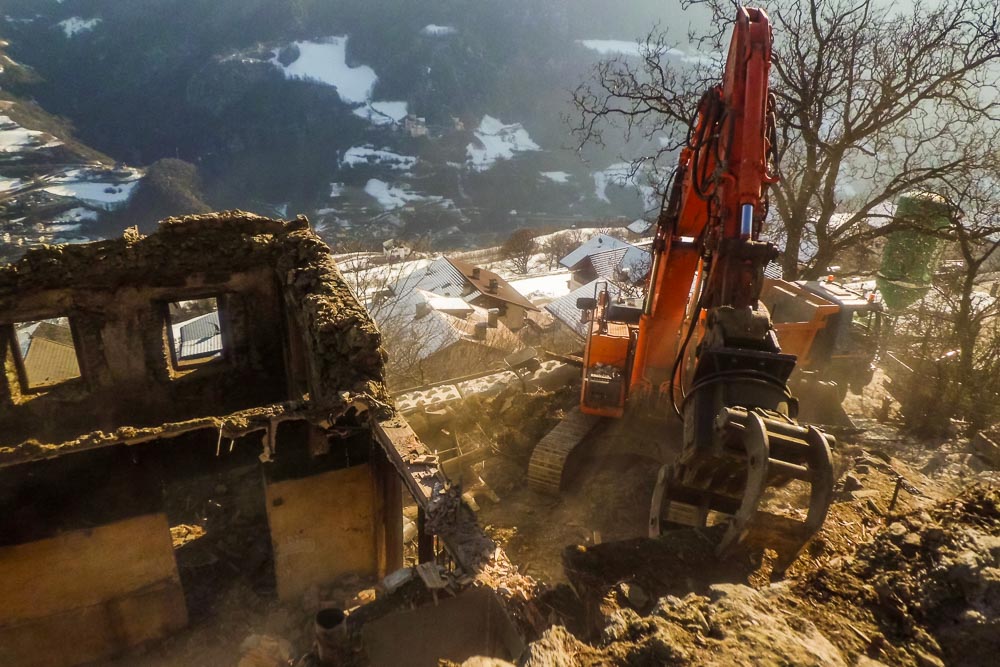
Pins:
x: 702, y: 345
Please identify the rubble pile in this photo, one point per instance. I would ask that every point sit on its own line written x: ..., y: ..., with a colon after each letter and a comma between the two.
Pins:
x: 925, y: 590
x: 515, y: 421
x: 929, y: 583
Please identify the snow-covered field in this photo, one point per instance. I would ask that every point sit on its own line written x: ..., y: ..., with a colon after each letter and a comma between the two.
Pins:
x: 76, y: 25
x: 497, y: 141
x: 325, y: 61
x: 98, y: 188
x: 390, y: 196
x: 14, y: 138
x: 438, y: 30
x: 382, y: 113
x: 369, y: 155
x: 556, y: 176
x: 72, y: 218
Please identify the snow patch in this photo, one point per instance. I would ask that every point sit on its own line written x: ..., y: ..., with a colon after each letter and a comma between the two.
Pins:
x: 556, y: 176
x: 336, y: 190
x: 612, y: 47
x: 438, y: 30
x: 76, y: 25
x: 10, y: 184
x: 73, y: 215
x: 326, y: 62
x: 369, y: 155
x: 619, y: 174
x: 497, y: 141
x: 14, y: 138
x: 382, y: 113
x: 619, y: 47
x: 390, y: 197
x: 93, y: 187
x: 104, y: 195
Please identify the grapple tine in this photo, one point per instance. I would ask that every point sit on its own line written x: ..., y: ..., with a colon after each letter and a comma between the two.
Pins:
x: 821, y: 493
x: 766, y: 452
x: 758, y: 449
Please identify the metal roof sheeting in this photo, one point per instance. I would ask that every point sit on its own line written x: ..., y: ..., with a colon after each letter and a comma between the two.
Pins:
x: 640, y: 226
x: 199, y: 337
x: 48, y: 362
x: 564, y: 308
x: 599, y: 243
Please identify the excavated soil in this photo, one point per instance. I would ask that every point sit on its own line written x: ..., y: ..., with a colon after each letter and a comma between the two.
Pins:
x: 905, y: 571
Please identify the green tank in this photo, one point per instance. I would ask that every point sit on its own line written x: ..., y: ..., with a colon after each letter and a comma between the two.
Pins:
x: 911, y: 255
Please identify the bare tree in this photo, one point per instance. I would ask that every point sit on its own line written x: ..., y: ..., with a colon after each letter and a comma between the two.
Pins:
x: 871, y: 103
x: 975, y: 230
x: 519, y: 247
x: 953, y: 334
x: 557, y: 246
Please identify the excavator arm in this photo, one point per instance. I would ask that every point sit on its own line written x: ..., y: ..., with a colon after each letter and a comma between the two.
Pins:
x: 703, y: 346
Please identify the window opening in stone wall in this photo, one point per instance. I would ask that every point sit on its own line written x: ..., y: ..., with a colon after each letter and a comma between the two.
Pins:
x: 47, y: 352
x: 195, y: 332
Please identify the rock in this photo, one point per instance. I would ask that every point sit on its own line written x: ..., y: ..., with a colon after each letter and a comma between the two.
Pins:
x: 925, y: 659
x: 618, y: 624
x: 557, y: 648
x: 483, y: 661
x: 265, y: 651
x: 897, y: 530
x: 635, y: 595
x: 852, y: 483
x: 911, y: 543
x: 987, y: 449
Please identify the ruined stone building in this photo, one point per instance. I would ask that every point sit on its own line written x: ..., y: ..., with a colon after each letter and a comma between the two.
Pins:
x: 144, y: 379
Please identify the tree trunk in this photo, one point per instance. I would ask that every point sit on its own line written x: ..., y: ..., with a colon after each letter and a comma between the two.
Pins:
x: 790, y: 256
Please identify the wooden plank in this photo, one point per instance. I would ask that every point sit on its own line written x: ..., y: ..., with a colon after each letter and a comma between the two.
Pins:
x: 465, y: 540
x: 85, y: 568
x: 322, y: 527
x: 94, y: 633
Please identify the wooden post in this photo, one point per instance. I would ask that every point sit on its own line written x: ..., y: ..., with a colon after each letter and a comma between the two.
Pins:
x: 425, y: 541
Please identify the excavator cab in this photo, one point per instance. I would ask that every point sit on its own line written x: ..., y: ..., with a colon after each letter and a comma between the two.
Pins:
x: 607, y: 361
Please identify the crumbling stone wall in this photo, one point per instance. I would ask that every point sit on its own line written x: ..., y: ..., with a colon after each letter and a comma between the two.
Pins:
x: 294, y: 326
x: 90, y: 462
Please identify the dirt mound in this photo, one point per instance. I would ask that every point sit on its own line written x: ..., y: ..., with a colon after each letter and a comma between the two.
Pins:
x: 925, y: 590
x: 929, y: 584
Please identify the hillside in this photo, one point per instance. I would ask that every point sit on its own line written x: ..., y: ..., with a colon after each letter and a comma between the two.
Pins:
x: 375, y: 118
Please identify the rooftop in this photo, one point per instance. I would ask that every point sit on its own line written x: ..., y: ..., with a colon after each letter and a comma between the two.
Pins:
x: 482, y: 279
x: 598, y: 243
x: 564, y: 308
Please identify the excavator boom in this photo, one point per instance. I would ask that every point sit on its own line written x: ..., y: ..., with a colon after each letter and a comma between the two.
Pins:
x: 702, y: 345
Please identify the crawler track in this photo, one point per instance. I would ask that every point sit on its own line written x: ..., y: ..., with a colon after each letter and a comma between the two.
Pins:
x: 545, y: 470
